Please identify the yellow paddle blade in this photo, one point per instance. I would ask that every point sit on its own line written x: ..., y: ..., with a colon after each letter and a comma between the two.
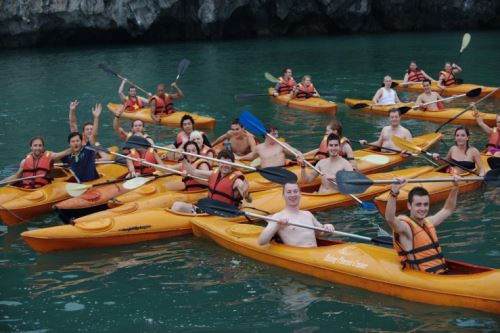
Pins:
x: 465, y: 41
x: 76, y: 190
x: 375, y: 159
x: 271, y: 78
x: 255, y: 163
x: 406, y: 145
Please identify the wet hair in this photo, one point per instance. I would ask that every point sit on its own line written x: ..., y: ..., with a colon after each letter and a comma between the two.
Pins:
x: 285, y: 69
x: 288, y: 183
x: 394, y: 110
x: 37, y: 138
x: 73, y: 134
x: 86, y: 124
x: 466, y: 132
x: 332, y: 137
x: 192, y: 143
x: 236, y: 121
x: 187, y: 117
x: 419, y: 191
x: 226, y: 154
x: 427, y: 80
x: 336, y: 125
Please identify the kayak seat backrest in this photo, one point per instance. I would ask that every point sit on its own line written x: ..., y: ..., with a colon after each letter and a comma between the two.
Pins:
x: 327, y: 242
x: 456, y: 268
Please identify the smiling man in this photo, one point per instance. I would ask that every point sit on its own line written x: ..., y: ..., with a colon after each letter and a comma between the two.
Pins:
x: 415, y: 237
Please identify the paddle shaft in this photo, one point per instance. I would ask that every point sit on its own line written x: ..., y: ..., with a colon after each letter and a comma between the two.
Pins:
x: 108, y: 70
x: 455, y: 164
x: 20, y: 179
x: 466, y: 109
x: 64, y: 165
x: 423, y: 180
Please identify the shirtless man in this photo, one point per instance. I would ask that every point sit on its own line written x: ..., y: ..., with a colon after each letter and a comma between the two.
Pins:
x: 386, y: 95
x: 395, y: 128
x: 428, y: 96
x: 328, y: 166
x: 292, y: 235
x: 271, y: 153
x: 242, y: 143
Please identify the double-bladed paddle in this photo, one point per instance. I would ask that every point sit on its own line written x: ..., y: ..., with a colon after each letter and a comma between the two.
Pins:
x: 219, y: 208
x: 458, y: 81
x: 494, y: 162
x: 471, y: 93
x: 108, y: 70
x: 75, y: 189
x: 49, y: 175
x: 355, y: 182
x: 251, y: 123
x: 274, y: 174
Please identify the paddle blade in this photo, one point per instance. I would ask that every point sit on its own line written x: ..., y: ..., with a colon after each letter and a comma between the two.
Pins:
x: 404, y: 109
x: 135, y: 182
x: 494, y: 162
x: 406, y: 145
x: 352, y: 182
x: 465, y: 42
x: 181, y: 69
x: 474, y: 92
x: 271, y: 78
x: 218, y: 208
x: 256, y: 162
x: 359, y: 106
x: 278, y: 175
x: 136, y: 141
x: 375, y: 159
x: 492, y: 178
x: 251, y: 123
x: 107, y: 69
x: 393, y: 84
x: 368, y: 205
x: 75, y: 190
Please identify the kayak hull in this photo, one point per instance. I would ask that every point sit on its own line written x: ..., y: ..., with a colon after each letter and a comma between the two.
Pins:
x: 172, y: 120
x: 451, y: 90
x: 364, y: 266
x: 442, y: 116
x: 137, y: 226
x: 313, y: 104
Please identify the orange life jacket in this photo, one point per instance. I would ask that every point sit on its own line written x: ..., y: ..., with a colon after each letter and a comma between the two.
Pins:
x: 416, y: 75
x: 222, y: 188
x: 205, y: 150
x: 494, y: 139
x: 194, y: 184
x: 285, y: 87
x: 163, y: 105
x: 323, y: 148
x: 133, y: 104
x: 38, y: 168
x: 426, y: 253
x: 304, y: 92
x: 143, y: 154
x: 449, y: 78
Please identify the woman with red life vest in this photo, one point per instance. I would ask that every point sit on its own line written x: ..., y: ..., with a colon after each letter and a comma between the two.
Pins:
x: 415, y: 74
x: 132, y: 102
x: 286, y: 84
x: 493, y: 145
x: 415, y: 237
x: 162, y: 102
x: 224, y: 184
x: 305, y: 89
x: 197, y: 137
x: 136, y: 168
x: 447, y: 77
x: 37, y: 163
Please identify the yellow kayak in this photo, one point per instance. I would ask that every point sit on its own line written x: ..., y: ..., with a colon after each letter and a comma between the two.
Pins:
x: 173, y: 120
x: 451, y: 90
x: 40, y: 201
x: 313, y: 104
x: 155, y: 223
x: 441, y: 116
x: 364, y: 266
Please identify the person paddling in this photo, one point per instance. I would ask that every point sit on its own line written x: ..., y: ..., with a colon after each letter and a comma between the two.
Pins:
x: 415, y: 237
x: 429, y: 96
x: 132, y: 102
x: 162, y: 102
x: 286, y: 84
x: 81, y: 159
x: 270, y: 153
x: 305, y: 89
x: 395, y: 128
x: 37, y: 163
x: 137, y: 128
x: 241, y: 142
x: 386, y: 95
x: 415, y: 74
x: 292, y: 235
x: 493, y: 145
x: 447, y: 77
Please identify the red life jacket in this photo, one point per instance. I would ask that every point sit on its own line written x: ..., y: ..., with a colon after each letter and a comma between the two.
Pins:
x: 304, y: 92
x: 426, y: 253
x: 494, y: 139
x: 323, y: 148
x: 448, y: 79
x: 222, y: 188
x: 285, y: 87
x: 38, y: 168
x: 181, y: 138
x: 163, y: 105
x: 416, y: 75
x: 143, y: 154
x: 133, y: 104
x: 194, y: 184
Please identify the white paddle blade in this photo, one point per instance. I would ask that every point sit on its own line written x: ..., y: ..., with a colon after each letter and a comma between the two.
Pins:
x: 135, y: 183
x: 256, y: 163
x: 375, y: 159
x: 76, y: 190
x: 269, y: 77
x: 465, y: 42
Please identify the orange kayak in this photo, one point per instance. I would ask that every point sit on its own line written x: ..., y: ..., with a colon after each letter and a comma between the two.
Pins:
x: 155, y: 223
x: 313, y: 104
x: 441, y: 116
x: 172, y: 120
x: 364, y: 266
x: 451, y: 90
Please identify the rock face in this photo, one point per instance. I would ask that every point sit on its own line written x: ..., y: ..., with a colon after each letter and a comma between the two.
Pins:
x: 62, y: 22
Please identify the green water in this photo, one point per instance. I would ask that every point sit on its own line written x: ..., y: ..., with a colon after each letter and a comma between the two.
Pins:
x: 188, y: 284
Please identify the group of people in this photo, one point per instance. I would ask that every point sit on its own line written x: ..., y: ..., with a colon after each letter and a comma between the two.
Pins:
x: 287, y: 86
